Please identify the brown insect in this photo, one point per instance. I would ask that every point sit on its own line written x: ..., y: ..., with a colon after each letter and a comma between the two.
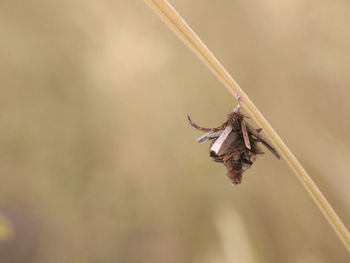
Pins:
x: 234, y: 143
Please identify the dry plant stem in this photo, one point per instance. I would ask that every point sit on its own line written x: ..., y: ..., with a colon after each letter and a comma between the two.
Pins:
x: 175, y: 22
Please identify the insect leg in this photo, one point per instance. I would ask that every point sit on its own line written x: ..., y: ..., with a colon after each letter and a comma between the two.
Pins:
x: 221, y: 127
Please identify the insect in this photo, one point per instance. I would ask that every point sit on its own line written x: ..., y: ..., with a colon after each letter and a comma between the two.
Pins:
x: 234, y: 143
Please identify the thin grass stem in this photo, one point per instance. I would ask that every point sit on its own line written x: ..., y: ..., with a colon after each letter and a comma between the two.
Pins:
x: 175, y: 22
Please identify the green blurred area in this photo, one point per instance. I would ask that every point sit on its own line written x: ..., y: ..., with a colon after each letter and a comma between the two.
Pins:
x: 98, y: 163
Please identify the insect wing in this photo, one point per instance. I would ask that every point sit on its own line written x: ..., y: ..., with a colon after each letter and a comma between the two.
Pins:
x: 219, y: 141
x: 209, y: 136
x: 245, y: 134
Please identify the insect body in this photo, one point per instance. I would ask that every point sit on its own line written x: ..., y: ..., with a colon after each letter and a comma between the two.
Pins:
x: 233, y: 143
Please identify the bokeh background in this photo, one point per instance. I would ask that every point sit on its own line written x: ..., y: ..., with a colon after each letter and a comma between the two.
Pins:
x: 98, y: 163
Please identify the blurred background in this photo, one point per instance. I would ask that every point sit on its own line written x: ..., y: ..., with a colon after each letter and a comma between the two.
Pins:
x: 98, y: 163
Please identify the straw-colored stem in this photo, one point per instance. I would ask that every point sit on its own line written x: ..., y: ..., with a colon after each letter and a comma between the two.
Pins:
x: 175, y: 22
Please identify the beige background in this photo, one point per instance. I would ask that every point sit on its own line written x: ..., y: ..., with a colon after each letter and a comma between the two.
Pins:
x: 98, y: 163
